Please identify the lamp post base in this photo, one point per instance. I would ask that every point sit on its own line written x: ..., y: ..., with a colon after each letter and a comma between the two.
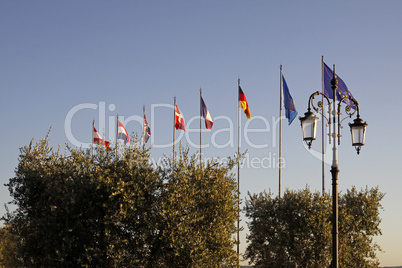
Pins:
x: 334, y: 172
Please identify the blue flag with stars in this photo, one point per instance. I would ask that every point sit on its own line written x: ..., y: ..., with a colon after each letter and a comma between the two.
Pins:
x: 290, y: 107
x: 342, y: 89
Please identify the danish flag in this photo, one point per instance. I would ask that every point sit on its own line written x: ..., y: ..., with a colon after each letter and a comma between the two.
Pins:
x: 179, y: 120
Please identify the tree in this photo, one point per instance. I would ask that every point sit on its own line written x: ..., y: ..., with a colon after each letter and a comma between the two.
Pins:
x: 359, y: 220
x: 288, y: 232
x: 117, y: 210
x: 83, y: 210
x: 8, y: 248
x: 295, y: 231
x: 199, y: 209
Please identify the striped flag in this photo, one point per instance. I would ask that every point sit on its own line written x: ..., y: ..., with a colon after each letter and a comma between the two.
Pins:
x: 243, y: 103
x: 97, y: 139
x: 122, y: 133
x: 205, y: 113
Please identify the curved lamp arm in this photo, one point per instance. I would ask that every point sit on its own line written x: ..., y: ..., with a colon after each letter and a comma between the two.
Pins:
x: 309, y: 121
x: 321, y: 106
x: 350, y: 114
x: 310, y: 101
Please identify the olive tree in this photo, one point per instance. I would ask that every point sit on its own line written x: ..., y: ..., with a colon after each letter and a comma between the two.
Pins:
x: 295, y: 230
x: 113, y: 208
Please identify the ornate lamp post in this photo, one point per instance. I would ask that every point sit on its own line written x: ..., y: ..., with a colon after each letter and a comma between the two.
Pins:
x: 358, y: 132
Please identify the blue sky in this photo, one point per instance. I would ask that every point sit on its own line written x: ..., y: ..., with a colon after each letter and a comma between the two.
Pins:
x: 122, y: 55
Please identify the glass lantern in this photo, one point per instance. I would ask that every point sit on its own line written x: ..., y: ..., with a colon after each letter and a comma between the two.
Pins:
x: 309, y: 127
x: 358, y: 131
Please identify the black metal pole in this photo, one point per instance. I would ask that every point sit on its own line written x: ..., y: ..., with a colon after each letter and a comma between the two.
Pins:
x: 334, y: 172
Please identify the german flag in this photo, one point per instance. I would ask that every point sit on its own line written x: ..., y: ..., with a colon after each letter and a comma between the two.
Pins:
x: 243, y: 103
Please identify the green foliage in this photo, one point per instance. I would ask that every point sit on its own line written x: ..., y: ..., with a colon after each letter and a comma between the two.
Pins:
x: 295, y: 231
x: 199, y: 208
x: 288, y: 232
x: 8, y: 248
x: 359, y: 222
x: 100, y: 210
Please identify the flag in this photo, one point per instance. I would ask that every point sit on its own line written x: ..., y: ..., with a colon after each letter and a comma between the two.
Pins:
x: 97, y: 139
x: 122, y: 133
x: 290, y: 108
x: 243, y: 103
x: 178, y: 119
x: 342, y: 89
x: 147, y: 130
x: 205, y: 113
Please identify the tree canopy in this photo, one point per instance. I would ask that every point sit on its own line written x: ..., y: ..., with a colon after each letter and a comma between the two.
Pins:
x: 84, y: 209
x: 101, y: 208
x: 295, y: 230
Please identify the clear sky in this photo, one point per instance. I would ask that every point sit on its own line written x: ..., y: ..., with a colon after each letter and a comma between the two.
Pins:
x: 65, y: 63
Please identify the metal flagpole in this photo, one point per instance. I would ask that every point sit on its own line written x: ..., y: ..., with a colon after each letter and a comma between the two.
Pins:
x: 323, y: 127
x: 238, y: 174
x: 200, y: 128
x: 174, y: 127
x: 280, y: 132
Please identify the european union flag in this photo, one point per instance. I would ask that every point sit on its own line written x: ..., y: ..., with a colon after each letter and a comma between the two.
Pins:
x: 290, y: 108
x: 342, y: 89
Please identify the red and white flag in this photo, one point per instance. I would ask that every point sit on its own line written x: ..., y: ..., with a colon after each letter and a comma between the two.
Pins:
x: 178, y: 119
x: 122, y: 133
x: 205, y: 113
x: 97, y: 139
x: 147, y: 130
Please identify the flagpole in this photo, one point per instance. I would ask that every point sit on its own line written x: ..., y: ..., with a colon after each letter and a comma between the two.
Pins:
x: 322, y: 125
x: 200, y: 128
x: 238, y: 174
x: 280, y: 131
x: 174, y: 127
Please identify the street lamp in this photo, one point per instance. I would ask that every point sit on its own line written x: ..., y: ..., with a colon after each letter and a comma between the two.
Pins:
x: 358, y: 132
x: 309, y: 127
